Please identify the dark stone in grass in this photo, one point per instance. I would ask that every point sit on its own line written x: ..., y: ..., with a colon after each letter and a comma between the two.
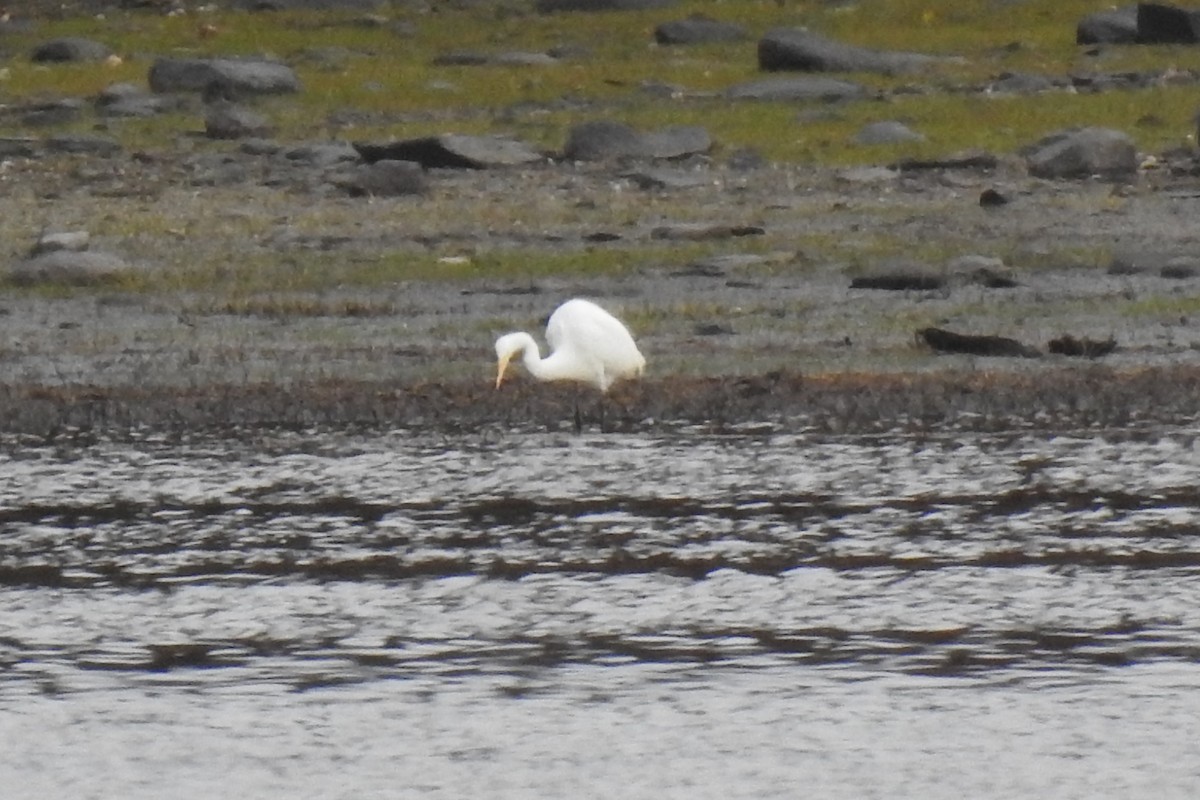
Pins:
x: 241, y: 76
x: 1180, y: 268
x: 453, y: 151
x: 900, y: 282
x: 599, y: 140
x: 70, y: 48
x: 944, y: 341
x: 1158, y: 23
x: 797, y: 88
x: 990, y: 198
x: 698, y: 29
x: 970, y: 161
x: 1118, y: 26
x: 1068, y: 345
x: 804, y: 51
x: 712, y: 329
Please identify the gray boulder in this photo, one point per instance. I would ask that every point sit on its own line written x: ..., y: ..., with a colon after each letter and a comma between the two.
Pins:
x: 1083, y: 153
x: 1117, y: 26
x: 241, y: 77
x: 70, y: 48
x: 600, y: 140
x: 799, y: 50
x: 698, y: 29
x: 453, y: 151
x: 69, y: 268
x: 797, y: 88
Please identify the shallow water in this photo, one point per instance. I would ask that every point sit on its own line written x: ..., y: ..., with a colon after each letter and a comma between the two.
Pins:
x: 540, y: 615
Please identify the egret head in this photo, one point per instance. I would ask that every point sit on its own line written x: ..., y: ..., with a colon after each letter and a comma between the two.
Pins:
x: 507, y: 346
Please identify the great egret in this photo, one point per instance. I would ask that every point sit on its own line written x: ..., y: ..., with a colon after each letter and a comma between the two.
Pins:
x: 587, y: 344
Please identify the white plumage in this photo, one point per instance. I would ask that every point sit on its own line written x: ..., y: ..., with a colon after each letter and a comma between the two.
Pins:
x: 587, y: 344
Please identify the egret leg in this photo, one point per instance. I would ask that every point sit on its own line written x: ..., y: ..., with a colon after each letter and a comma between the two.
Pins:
x: 578, y: 417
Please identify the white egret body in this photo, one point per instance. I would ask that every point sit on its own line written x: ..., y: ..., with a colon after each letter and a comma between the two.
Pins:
x: 587, y: 345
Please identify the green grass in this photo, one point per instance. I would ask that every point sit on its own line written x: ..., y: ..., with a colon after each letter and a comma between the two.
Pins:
x: 385, y: 73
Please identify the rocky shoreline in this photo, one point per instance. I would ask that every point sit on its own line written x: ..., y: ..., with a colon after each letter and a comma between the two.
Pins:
x: 762, y: 293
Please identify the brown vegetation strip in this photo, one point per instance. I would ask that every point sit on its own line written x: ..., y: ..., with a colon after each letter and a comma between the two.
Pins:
x: 1083, y: 396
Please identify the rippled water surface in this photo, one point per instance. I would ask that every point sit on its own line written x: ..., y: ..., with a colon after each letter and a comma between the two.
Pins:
x: 540, y: 615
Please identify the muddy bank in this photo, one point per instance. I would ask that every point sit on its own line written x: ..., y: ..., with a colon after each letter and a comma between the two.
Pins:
x: 1061, y: 399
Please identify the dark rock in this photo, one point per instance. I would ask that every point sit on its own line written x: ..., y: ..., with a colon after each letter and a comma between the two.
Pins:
x: 712, y: 329
x: 886, y: 132
x: 551, y: 6
x: 70, y: 48
x: 990, y: 198
x: 225, y: 121
x: 945, y: 341
x: 900, y: 282
x: 1118, y: 26
x: 1083, y: 153
x: 600, y: 140
x: 1068, y: 345
x: 388, y: 178
x: 800, y: 88
x: 969, y: 161
x: 1180, y: 268
x: 69, y: 268
x: 1164, y: 24
x: 197, y: 74
x: 453, y: 151
x: 668, y: 178
x: 698, y: 29
x: 803, y: 51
